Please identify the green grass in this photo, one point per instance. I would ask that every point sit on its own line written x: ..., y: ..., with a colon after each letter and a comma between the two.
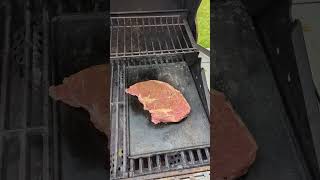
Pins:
x: 203, y: 24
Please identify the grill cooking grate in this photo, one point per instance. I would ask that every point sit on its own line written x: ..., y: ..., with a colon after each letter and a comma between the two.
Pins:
x: 152, y: 35
x: 24, y: 110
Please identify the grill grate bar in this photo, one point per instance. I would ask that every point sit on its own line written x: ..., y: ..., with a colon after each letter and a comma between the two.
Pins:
x: 199, y: 156
x: 191, y: 157
x: 158, y: 162
x: 129, y: 54
x: 131, y: 37
x: 45, y: 157
x: 207, y: 153
x: 124, y: 43
x: 119, y: 138
x: 140, y: 165
x: 117, y: 39
x: 166, y: 160
x: 22, y: 161
x: 27, y: 67
x: 117, y: 124
x: 156, y: 29
x: 45, y: 68
x: 176, y: 35
x: 149, y: 35
x: 170, y: 35
x: 22, y: 137
x: 125, y: 123
x: 33, y: 130
x: 151, y: 25
x: 1, y: 154
x: 5, y: 68
x: 137, y: 36
x: 183, y: 158
x: 163, y: 30
x: 144, y: 37
x: 131, y: 167
x: 110, y: 42
x: 55, y: 135
x: 184, y: 38
x: 192, y: 41
x: 141, y: 17
x: 149, y: 164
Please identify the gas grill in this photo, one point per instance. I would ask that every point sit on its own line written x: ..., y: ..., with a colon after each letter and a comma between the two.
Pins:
x: 45, y: 41
x: 156, y: 45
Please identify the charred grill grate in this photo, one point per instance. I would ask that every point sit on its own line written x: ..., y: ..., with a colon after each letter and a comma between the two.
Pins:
x: 151, y: 35
x: 24, y: 110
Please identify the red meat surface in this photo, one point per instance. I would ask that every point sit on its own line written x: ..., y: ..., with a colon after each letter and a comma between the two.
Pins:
x: 88, y: 89
x: 164, y: 102
x: 234, y: 148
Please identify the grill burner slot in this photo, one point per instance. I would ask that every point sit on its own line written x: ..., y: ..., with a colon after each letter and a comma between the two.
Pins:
x: 150, y: 35
x: 163, y: 162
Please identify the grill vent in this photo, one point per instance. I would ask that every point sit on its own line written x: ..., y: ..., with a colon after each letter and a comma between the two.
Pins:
x: 169, y: 161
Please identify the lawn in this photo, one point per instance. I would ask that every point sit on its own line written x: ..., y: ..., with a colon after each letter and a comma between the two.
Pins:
x: 203, y: 24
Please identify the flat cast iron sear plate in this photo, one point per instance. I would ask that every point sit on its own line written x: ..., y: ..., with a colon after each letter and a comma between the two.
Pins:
x: 145, y: 138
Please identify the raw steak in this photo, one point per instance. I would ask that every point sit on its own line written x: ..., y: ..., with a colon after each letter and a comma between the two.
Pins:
x: 234, y: 149
x: 88, y: 89
x: 164, y: 102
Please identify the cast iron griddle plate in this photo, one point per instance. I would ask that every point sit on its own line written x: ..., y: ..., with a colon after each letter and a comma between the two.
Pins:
x: 146, y: 138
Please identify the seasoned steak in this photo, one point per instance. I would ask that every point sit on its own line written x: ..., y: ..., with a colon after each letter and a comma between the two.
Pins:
x: 234, y: 149
x: 164, y: 102
x: 88, y: 89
